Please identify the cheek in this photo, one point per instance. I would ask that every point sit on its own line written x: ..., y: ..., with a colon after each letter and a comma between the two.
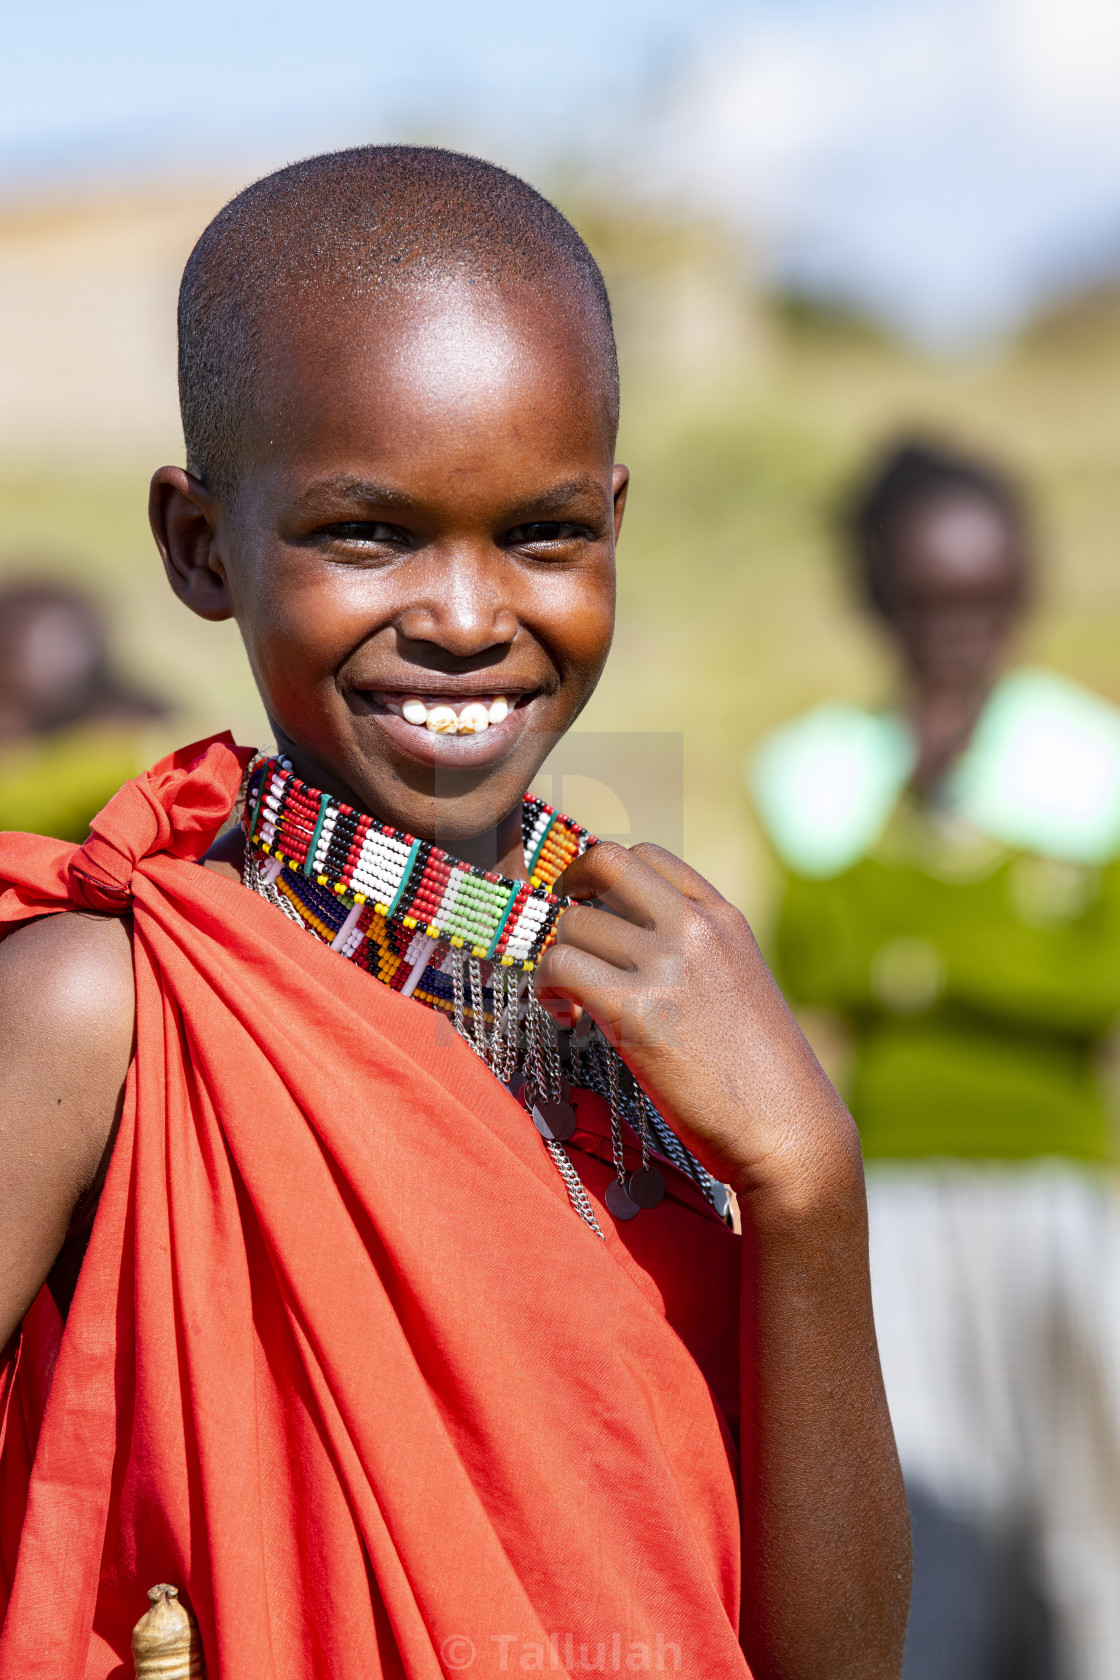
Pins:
x: 576, y: 620
x: 299, y: 621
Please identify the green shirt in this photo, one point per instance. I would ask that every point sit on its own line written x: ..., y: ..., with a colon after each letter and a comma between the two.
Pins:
x: 978, y: 974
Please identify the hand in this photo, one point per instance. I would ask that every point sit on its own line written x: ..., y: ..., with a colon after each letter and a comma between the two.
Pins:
x: 670, y: 972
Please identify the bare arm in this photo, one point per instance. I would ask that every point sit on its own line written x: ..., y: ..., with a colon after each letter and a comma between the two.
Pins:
x: 66, y: 1022
x: 675, y: 979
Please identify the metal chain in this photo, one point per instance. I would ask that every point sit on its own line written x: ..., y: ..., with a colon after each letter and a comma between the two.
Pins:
x: 575, y: 1056
x: 478, y: 1009
x: 512, y: 1025
x: 551, y: 1055
x: 597, y: 1058
x: 252, y: 876
x: 495, y: 1048
x: 577, y: 1195
x: 643, y: 1133
x: 616, y: 1120
x: 458, y: 1002
x: 534, y: 1048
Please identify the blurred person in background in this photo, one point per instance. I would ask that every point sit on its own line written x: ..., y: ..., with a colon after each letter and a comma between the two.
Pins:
x: 71, y: 729
x: 952, y: 894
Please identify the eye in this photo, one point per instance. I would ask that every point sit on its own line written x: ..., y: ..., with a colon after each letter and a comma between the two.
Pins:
x: 541, y: 533
x: 363, y: 531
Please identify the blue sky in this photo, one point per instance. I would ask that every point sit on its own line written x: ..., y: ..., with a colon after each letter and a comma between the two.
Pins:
x: 142, y: 82
x: 946, y: 164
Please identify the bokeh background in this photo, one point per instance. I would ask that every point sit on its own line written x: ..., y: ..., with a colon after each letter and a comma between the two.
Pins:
x: 820, y: 220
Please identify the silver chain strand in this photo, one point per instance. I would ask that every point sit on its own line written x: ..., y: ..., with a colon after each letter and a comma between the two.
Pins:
x: 551, y: 1054
x: 457, y: 1000
x: 577, y: 1195
x: 575, y: 1057
x: 534, y: 1049
x: 478, y: 1009
x: 513, y: 1024
x: 616, y: 1121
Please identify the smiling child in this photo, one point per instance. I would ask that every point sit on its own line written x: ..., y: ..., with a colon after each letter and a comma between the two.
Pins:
x: 406, y: 1335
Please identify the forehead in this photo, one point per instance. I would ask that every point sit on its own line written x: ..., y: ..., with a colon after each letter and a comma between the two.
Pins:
x: 958, y: 537
x: 435, y: 371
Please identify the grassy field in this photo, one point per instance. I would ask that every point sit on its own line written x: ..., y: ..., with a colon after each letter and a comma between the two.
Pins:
x: 742, y: 424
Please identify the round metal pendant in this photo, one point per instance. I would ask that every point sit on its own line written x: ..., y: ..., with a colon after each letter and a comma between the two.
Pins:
x: 514, y: 1083
x: 555, y: 1121
x: 618, y: 1201
x: 646, y: 1188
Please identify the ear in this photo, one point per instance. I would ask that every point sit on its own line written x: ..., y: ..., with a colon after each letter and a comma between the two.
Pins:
x: 621, y: 486
x: 184, y: 523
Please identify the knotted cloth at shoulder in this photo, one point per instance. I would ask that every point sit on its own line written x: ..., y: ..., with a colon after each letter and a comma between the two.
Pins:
x: 178, y: 806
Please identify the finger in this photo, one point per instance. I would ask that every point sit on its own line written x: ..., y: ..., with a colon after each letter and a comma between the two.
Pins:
x: 582, y: 978
x: 569, y: 982
x: 601, y: 934
x: 679, y: 874
x: 622, y: 881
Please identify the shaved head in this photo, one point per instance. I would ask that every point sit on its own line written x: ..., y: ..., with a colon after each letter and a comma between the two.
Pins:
x: 346, y: 234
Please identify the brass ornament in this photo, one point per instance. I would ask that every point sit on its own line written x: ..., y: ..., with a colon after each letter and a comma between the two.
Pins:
x: 165, y: 1641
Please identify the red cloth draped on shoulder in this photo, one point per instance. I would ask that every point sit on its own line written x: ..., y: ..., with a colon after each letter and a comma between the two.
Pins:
x: 342, y: 1362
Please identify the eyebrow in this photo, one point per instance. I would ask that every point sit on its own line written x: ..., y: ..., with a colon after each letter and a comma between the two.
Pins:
x: 362, y: 490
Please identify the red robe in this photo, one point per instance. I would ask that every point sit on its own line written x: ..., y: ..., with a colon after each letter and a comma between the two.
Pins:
x: 342, y: 1362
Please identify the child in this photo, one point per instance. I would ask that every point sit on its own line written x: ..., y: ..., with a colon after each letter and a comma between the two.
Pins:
x: 954, y: 893
x: 383, y: 1382
x: 71, y: 731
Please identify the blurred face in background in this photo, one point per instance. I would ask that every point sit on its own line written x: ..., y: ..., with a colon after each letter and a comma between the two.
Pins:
x: 957, y: 588
x: 51, y: 655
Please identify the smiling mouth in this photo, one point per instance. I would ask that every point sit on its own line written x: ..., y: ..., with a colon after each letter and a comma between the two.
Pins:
x: 446, y: 714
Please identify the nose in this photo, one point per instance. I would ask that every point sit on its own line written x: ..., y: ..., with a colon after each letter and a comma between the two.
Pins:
x: 461, y: 601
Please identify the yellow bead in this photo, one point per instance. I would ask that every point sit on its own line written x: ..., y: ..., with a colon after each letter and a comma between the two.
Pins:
x: 381, y: 909
x: 433, y: 932
x: 322, y: 880
x: 409, y: 921
x: 478, y: 950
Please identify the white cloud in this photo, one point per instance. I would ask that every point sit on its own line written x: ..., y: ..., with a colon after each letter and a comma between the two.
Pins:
x: 946, y: 163
x: 1064, y: 60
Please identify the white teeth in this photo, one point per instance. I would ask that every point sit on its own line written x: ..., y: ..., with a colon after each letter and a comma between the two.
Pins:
x: 442, y: 720
x: 473, y: 719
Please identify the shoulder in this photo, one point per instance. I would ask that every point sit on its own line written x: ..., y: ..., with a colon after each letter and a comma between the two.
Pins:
x: 825, y: 784
x: 67, y: 1006
x: 1043, y: 769
x: 71, y: 972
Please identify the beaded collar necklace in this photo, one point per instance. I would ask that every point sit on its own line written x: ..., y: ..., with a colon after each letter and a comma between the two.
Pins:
x: 436, y: 929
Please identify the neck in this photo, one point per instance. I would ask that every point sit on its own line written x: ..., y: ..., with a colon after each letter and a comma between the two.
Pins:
x: 500, y: 849
x: 944, y: 719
